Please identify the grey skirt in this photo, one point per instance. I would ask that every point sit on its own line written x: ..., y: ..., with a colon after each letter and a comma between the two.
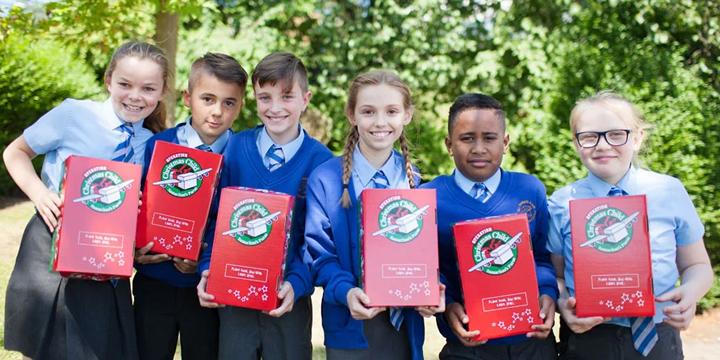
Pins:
x: 51, y: 317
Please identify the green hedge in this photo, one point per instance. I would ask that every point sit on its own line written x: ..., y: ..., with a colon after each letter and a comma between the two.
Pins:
x: 35, y: 76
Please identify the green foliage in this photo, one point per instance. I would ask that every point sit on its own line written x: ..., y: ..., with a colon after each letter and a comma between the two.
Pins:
x: 36, y: 75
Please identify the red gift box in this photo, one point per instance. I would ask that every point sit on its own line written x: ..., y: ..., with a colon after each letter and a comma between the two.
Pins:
x: 399, y: 247
x: 611, y: 257
x: 247, y: 264
x: 95, y: 236
x: 179, y: 189
x: 497, y: 272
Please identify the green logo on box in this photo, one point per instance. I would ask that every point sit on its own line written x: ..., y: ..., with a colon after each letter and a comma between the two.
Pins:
x: 609, y: 229
x: 103, y: 191
x: 400, y: 220
x: 181, y: 177
x: 495, y: 252
x: 251, y: 223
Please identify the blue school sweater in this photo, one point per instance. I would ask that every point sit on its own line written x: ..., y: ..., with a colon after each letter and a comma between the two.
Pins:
x: 164, y: 271
x: 331, y: 232
x: 243, y: 166
x: 517, y: 193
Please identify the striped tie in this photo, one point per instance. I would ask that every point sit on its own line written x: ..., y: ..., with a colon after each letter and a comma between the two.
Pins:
x: 643, y: 330
x: 124, y: 152
x: 275, y: 157
x: 480, y: 192
x: 380, y: 181
x: 204, y: 147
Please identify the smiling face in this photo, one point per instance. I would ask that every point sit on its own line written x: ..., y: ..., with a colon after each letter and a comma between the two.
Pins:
x: 610, y: 163
x: 380, y: 117
x: 279, y: 109
x: 214, y: 104
x: 135, y: 87
x: 477, y: 143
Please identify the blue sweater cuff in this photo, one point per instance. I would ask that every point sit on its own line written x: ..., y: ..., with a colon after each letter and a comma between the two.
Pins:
x: 299, y: 288
x: 341, y: 291
x: 550, y: 291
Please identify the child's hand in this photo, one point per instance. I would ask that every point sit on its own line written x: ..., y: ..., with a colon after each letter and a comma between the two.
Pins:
x: 184, y: 266
x: 139, y: 201
x: 682, y: 312
x: 48, y: 205
x: 578, y: 325
x: 287, y: 294
x: 357, y: 301
x: 206, y: 300
x: 141, y: 256
x: 547, y: 313
x: 428, y: 311
x: 457, y: 319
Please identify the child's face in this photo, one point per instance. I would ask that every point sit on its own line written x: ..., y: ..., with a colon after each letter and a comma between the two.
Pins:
x: 380, y: 117
x: 135, y: 87
x: 280, y: 110
x: 214, y: 105
x: 477, y: 143
x: 606, y: 161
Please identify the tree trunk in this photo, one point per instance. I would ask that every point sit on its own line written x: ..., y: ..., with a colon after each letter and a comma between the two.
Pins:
x: 166, y: 36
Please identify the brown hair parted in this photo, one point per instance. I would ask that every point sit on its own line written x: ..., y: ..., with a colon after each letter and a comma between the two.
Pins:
x: 283, y: 67
x: 224, y: 67
x: 155, y: 122
x: 373, y: 78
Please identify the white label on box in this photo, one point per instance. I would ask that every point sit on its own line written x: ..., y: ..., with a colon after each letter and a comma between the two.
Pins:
x: 107, y: 240
x: 235, y: 271
x: 503, y: 302
x: 615, y: 281
x: 404, y: 271
x: 172, y: 222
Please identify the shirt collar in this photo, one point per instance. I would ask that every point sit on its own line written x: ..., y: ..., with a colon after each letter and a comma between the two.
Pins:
x: 600, y: 188
x: 264, y: 142
x: 188, y: 135
x: 112, y: 121
x: 365, y: 171
x: 492, y: 183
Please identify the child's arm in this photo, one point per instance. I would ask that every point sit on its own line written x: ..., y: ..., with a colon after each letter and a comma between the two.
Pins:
x: 696, y: 279
x: 326, y: 268
x: 18, y: 161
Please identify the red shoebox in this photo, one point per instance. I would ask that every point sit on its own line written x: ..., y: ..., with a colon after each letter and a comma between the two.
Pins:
x: 247, y: 264
x: 399, y: 247
x: 611, y: 257
x: 497, y: 272
x: 97, y: 228
x: 179, y: 189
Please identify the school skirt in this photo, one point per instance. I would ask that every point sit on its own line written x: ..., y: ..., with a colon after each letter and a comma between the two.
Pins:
x: 51, y: 317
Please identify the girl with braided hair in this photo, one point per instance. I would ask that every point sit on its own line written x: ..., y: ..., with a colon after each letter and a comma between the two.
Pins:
x: 378, y: 108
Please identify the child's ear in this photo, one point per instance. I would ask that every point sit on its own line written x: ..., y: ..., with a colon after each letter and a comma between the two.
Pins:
x: 306, y: 99
x: 448, y: 145
x: 638, y: 138
x: 186, y: 97
x: 108, y: 80
x: 506, y: 143
x: 408, y: 116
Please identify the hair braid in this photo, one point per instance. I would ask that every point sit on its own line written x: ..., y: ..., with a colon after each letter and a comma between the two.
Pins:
x: 347, y: 165
x: 405, y: 148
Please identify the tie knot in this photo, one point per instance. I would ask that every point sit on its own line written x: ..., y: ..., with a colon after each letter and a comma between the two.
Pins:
x: 127, y: 128
x: 204, y: 147
x: 381, y: 181
x: 480, y: 191
x: 275, y: 156
x: 616, y: 191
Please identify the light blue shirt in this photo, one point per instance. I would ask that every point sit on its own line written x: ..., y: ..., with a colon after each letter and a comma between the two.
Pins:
x: 672, y: 220
x: 492, y: 183
x: 363, y: 172
x: 80, y: 127
x: 264, y: 142
x: 188, y: 136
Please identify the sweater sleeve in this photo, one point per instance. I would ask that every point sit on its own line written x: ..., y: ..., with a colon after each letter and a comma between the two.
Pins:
x: 326, y: 268
x: 204, y: 260
x: 547, y: 281
x: 298, y: 259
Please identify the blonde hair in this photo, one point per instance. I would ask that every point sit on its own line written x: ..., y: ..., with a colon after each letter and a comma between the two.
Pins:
x: 155, y: 122
x: 614, y: 103
x: 373, y: 78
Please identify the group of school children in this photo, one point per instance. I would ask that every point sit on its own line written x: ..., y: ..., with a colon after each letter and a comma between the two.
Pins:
x: 51, y: 317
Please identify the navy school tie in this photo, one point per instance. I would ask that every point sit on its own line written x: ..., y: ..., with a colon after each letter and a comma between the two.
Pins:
x: 480, y: 191
x: 643, y: 330
x: 123, y: 151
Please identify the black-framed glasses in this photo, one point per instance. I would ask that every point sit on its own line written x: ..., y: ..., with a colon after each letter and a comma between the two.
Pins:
x: 590, y: 139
